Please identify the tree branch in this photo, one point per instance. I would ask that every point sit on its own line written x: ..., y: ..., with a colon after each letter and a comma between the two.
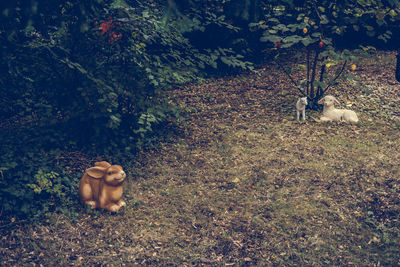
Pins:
x: 308, y: 70
x: 333, y: 81
x: 291, y: 79
x: 321, y: 79
x: 320, y: 18
x: 314, y: 70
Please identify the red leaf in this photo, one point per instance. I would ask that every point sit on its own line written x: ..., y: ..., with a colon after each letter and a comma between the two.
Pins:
x: 105, y: 26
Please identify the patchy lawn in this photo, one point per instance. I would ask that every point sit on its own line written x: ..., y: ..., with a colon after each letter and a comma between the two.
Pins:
x: 245, y: 184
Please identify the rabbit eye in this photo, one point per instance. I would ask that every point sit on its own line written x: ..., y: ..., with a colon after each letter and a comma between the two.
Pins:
x: 109, y: 173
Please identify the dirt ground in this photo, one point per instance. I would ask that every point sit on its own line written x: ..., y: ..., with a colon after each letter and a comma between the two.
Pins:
x: 245, y: 184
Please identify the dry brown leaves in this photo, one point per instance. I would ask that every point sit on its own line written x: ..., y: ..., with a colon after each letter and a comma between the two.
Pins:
x: 247, y: 185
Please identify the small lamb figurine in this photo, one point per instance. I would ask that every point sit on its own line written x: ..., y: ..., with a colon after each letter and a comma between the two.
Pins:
x: 301, y: 107
x: 330, y: 113
x: 101, y: 186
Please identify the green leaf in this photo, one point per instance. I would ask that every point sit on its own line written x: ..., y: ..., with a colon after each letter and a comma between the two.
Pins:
x: 119, y: 4
x: 273, y: 20
x: 324, y: 19
x: 270, y: 38
x: 145, y: 14
x: 307, y: 41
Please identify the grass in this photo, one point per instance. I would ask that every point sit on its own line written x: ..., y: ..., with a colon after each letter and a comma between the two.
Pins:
x: 244, y: 185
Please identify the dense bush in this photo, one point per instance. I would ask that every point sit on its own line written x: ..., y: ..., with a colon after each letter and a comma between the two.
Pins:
x: 33, y: 180
x: 89, y: 76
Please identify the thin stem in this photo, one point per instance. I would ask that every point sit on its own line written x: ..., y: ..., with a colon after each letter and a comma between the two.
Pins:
x: 314, y: 70
x: 321, y: 79
x: 320, y: 18
x: 337, y: 76
x: 308, y: 70
x: 291, y: 79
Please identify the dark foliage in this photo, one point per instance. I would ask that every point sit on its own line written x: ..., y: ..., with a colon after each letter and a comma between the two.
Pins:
x: 92, y: 76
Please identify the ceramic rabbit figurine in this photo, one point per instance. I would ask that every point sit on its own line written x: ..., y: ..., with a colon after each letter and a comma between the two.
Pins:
x: 101, y: 186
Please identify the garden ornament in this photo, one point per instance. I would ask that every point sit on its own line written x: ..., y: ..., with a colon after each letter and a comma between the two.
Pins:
x: 101, y: 186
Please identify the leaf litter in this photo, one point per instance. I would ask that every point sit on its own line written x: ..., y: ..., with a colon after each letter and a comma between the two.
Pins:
x: 245, y: 184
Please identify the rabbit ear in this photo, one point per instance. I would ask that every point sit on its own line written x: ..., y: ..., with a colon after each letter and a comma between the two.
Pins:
x: 96, y: 172
x: 336, y: 101
x: 321, y: 101
x: 104, y: 164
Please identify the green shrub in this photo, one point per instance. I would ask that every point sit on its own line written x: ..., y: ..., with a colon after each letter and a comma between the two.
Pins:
x: 89, y: 76
x: 32, y: 184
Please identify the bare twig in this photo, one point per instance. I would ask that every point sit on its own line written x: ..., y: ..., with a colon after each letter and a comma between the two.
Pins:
x: 12, y: 223
x: 291, y: 79
x: 333, y: 81
x: 321, y: 79
x: 308, y: 70
x: 314, y: 70
x: 319, y: 16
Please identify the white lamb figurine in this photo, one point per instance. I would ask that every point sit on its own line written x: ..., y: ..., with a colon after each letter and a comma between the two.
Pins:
x: 301, y: 107
x: 330, y: 113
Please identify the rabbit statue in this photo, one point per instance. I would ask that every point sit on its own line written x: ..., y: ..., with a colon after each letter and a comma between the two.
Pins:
x: 101, y: 186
